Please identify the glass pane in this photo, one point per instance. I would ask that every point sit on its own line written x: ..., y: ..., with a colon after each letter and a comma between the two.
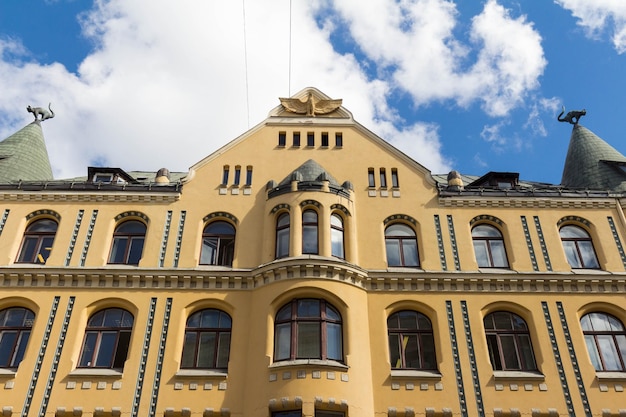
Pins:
x: 394, y: 351
x: 337, y: 221
x: 210, y: 319
x: 309, y: 308
x: 194, y: 320
x: 616, y: 325
x: 282, y: 345
x: 209, y: 251
x: 14, y: 317
x: 502, y: 320
x: 594, y: 355
x: 482, y: 256
x: 332, y: 314
x: 44, y: 250
x: 121, y: 353
x: 484, y: 230
x: 27, y: 254
x: 283, y: 220
x: 494, y: 352
x: 334, y: 343
x: 509, y: 352
x: 573, y: 232
x: 609, y: 353
x: 588, y: 254
x: 219, y: 228
x: 411, y: 351
x: 7, y: 340
x: 225, y: 321
x: 282, y: 243
x: 223, y: 351
x: 393, y: 252
x: 585, y: 322
x: 309, y: 216
x: 284, y: 313
x: 409, y: 250
x: 44, y: 225
x: 498, y: 254
x: 429, y: 360
x: 423, y: 323
x: 131, y: 227
x: 621, y: 345
x: 136, y: 249
x: 309, y: 239
x: 309, y: 340
x: 118, y: 250
x: 399, y: 230
x: 21, y: 348
x: 526, y: 352
x: 206, y: 350
x: 408, y: 320
x: 599, y: 322
x: 104, y: 356
x: 336, y: 243
x: 189, y: 351
x: 571, y: 254
x: 88, y: 349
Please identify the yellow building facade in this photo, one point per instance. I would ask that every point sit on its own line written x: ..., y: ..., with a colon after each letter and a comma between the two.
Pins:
x: 309, y: 268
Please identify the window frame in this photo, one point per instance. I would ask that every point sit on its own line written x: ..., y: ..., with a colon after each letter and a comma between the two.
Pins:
x: 310, y: 230
x: 371, y: 178
x: 130, y: 237
x: 337, y: 231
x: 224, y: 248
x: 282, y: 139
x: 283, y: 238
x: 40, y: 238
x: 21, y: 331
x: 296, y: 139
x: 401, y: 239
x: 121, y: 344
x: 221, y: 352
x: 488, y: 243
x: 598, y: 357
x: 329, y: 330
x: 497, y: 335
x: 310, y: 139
x: 577, y: 242
x: 422, y: 336
x: 339, y: 139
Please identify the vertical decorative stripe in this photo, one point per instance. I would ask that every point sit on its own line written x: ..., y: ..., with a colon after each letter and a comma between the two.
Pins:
x: 472, y: 359
x: 92, y: 223
x: 144, y: 358
x: 618, y: 241
x: 3, y: 220
x: 457, y: 363
x: 455, y: 250
x: 542, y: 243
x: 166, y: 234
x: 179, y: 236
x: 40, y: 356
x: 57, y: 356
x: 70, y: 250
x: 157, y: 375
x: 529, y: 244
x: 442, y: 252
x: 557, y: 359
x: 572, y: 356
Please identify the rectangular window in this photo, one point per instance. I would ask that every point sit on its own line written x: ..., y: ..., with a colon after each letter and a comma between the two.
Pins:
x: 225, y: 175
x: 325, y: 139
x: 394, y: 178
x: 296, y: 139
x: 338, y: 139
x: 383, y: 178
x: 282, y: 138
x: 237, y: 174
x: 371, y: 180
x: 249, y: 175
x: 310, y: 139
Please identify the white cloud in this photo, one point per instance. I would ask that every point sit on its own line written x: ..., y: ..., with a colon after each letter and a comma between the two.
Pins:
x: 600, y: 16
x: 170, y: 82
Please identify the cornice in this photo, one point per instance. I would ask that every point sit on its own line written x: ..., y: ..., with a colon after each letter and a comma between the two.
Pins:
x: 607, y: 203
x: 82, y: 197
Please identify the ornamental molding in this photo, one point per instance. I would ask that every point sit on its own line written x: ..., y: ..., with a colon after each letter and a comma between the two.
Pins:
x: 528, y: 203
x: 220, y: 215
x: 43, y: 213
x: 91, y: 198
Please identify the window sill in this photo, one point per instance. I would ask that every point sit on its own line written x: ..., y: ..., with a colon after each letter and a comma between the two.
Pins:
x: 7, y: 372
x: 611, y: 376
x: 309, y: 362
x: 96, y: 372
x: 518, y: 375
x: 202, y: 373
x: 414, y: 373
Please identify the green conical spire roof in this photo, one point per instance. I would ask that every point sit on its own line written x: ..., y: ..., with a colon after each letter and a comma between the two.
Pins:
x: 592, y: 163
x: 23, y: 156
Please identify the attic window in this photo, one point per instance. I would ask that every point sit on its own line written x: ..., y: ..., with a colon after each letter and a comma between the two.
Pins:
x: 497, y: 180
x: 103, y: 177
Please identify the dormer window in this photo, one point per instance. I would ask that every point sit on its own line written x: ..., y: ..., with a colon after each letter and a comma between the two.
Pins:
x: 497, y: 180
x: 103, y: 177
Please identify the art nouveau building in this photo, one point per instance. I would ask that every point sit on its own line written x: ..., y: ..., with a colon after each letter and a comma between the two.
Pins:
x: 309, y: 268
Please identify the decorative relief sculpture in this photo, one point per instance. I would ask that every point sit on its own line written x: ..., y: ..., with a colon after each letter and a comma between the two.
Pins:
x: 41, y: 111
x: 571, y: 117
x: 311, y: 106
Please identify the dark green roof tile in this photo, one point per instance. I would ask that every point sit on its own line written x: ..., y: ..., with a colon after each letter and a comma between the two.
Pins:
x: 23, y: 156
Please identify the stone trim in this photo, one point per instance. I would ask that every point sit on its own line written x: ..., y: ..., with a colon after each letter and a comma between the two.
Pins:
x: 396, y: 217
x: 486, y: 218
x: 573, y: 219
x: 220, y: 214
x: 528, y: 203
x: 341, y: 208
x: 132, y: 213
x: 91, y: 198
x: 279, y: 207
x: 44, y: 213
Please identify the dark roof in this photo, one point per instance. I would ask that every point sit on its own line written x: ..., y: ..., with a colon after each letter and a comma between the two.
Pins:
x: 591, y: 163
x: 24, y: 157
x: 310, y: 171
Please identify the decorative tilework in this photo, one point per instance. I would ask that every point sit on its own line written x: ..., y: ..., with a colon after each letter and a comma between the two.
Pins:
x: 529, y: 244
x: 92, y: 223
x: 144, y: 356
x: 160, y: 355
x: 179, y: 236
x: 166, y: 234
x: 557, y: 359
x: 70, y: 250
x: 455, y: 250
x: 472, y: 359
x: 542, y: 242
x: 280, y: 207
x: 340, y: 208
x: 573, y: 219
x: 44, y: 212
x: 220, y: 214
x: 442, y: 252
x: 404, y: 217
x: 618, y: 241
x: 132, y: 213
x: 572, y: 356
x: 486, y: 218
x: 457, y: 363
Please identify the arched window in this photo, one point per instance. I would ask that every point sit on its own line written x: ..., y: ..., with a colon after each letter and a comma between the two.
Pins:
x: 508, y: 340
x: 309, y: 232
x: 411, y: 341
x: 107, y: 339
x: 15, y: 325
x: 401, y: 245
x: 308, y: 329
x: 207, y: 340
x: 37, y: 242
x: 489, y: 247
x: 578, y: 247
x: 606, y: 341
x: 336, y: 236
x: 218, y: 244
x: 282, y: 235
x: 128, y: 241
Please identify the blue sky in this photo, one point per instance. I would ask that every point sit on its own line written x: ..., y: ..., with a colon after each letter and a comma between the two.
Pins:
x: 468, y: 85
